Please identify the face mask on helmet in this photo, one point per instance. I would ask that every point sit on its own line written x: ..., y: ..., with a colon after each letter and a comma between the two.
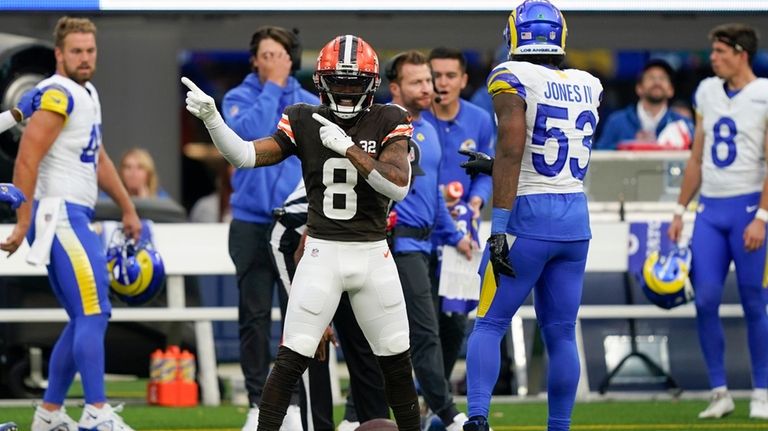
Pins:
x: 347, y: 75
x: 666, y: 280
x: 536, y: 27
x: 136, y: 271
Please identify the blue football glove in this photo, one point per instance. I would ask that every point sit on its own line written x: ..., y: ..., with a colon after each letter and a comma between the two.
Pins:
x: 499, y: 250
x: 11, y: 195
x: 28, y: 103
x: 478, y: 163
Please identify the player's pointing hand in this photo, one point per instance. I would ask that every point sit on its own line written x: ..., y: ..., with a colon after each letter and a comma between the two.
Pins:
x: 333, y: 136
x: 200, y: 104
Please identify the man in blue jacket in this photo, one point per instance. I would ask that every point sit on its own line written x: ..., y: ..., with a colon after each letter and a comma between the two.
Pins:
x: 252, y: 110
x: 644, y: 121
x: 459, y: 125
x: 422, y: 211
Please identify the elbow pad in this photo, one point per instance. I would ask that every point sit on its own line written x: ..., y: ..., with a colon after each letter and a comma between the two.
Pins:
x: 388, y: 188
x: 238, y: 152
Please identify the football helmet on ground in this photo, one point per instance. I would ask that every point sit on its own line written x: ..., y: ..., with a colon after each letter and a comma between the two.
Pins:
x: 536, y: 27
x: 347, y: 75
x: 665, y: 278
x: 136, y: 271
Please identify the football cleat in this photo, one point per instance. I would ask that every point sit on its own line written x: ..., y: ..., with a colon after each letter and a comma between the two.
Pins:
x: 458, y: 422
x: 665, y: 280
x: 292, y: 419
x: 721, y: 405
x: 57, y: 420
x: 346, y: 425
x: 758, y: 406
x: 105, y: 418
x: 252, y: 420
x: 347, y: 75
x: 476, y: 423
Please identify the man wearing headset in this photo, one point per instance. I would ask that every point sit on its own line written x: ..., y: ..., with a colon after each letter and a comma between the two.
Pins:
x: 422, y: 212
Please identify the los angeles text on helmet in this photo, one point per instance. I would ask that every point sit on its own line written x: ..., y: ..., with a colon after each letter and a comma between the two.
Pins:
x: 539, y: 49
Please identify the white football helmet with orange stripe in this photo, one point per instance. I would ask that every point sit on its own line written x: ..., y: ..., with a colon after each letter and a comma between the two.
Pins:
x: 347, y: 75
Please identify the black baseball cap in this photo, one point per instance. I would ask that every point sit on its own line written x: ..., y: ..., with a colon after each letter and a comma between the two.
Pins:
x: 657, y: 62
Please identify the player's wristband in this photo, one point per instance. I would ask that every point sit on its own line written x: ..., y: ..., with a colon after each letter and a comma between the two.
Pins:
x: 679, y: 210
x: 762, y: 215
x: 499, y: 220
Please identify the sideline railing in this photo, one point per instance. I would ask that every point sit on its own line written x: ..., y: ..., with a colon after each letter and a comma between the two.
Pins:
x: 201, y: 249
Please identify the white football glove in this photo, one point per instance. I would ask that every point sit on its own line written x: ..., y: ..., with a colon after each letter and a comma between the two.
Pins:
x: 240, y: 153
x: 333, y: 136
x: 201, y: 105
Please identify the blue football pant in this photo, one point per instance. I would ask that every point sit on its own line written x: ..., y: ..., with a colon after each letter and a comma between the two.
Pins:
x: 555, y: 272
x: 717, y: 240
x: 78, y: 276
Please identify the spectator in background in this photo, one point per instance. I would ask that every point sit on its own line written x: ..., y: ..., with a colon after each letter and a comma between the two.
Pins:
x: 214, y: 207
x: 139, y: 176
x: 646, y: 121
x: 252, y: 110
x: 459, y: 125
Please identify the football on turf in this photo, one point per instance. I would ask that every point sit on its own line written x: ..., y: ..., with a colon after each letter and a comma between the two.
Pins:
x: 377, y: 425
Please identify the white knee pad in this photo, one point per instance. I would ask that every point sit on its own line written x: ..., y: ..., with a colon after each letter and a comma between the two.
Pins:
x: 394, y: 339
x: 305, y: 345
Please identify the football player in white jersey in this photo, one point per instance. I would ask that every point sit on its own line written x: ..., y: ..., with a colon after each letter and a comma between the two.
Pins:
x: 727, y: 165
x: 540, y: 225
x: 61, y: 162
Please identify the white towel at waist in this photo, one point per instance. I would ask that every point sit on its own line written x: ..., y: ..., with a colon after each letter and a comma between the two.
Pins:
x: 46, y: 220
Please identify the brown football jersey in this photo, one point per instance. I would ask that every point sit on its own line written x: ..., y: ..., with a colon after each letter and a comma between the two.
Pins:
x: 342, y: 205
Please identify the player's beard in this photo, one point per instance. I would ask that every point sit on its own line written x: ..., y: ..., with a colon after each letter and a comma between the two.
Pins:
x: 417, y: 104
x: 81, y: 76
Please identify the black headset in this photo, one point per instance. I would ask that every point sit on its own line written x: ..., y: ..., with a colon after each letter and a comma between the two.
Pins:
x: 390, y: 70
x: 292, y: 35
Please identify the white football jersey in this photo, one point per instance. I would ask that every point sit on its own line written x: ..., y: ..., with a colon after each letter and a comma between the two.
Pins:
x: 561, y: 115
x: 68, y: 170
x: 733, y: 162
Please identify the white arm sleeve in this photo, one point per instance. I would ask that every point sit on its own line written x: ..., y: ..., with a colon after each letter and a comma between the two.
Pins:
x: 388, y: 188
x: 238, y: 152
x: 6, y: 121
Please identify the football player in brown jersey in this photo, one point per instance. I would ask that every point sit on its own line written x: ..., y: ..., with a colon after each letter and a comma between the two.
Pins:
x: 354, y: 156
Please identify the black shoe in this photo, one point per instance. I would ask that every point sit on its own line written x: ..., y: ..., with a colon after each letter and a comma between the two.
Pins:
x: 9, y: 426
x: 476, y: 423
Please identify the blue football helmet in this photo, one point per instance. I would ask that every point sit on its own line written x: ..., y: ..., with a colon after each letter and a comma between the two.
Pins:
x: 136, y: 271
x: 536, y: 27
x: 665, y: 278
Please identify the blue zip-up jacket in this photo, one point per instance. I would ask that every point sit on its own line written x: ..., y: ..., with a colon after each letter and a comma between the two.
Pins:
x: 471, y: 129
x: 424, y: 206
x: 252, y: 110
x: 623, y: 126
